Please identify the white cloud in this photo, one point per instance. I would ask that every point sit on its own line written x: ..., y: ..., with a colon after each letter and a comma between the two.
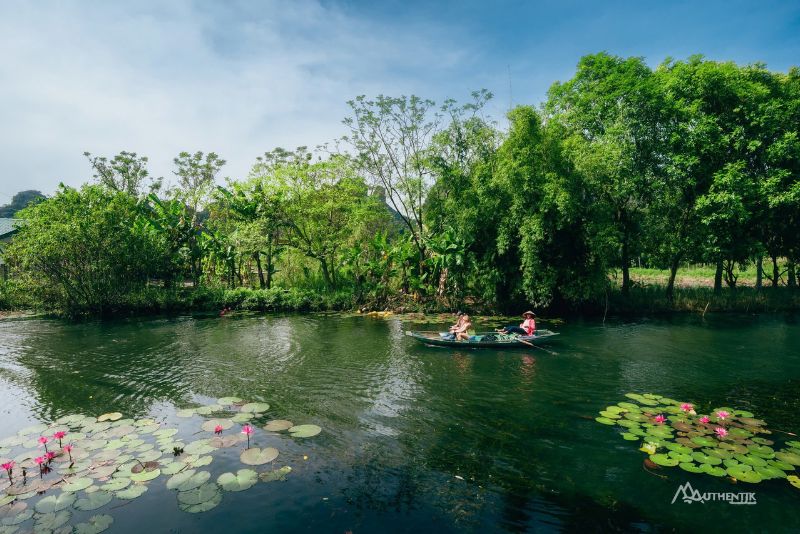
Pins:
x: 158, y: 78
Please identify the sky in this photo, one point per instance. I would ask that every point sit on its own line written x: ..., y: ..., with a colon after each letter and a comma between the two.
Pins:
x: 242, y: 77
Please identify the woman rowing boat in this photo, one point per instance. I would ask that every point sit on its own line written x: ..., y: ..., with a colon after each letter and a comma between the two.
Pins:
x: 527, y: 328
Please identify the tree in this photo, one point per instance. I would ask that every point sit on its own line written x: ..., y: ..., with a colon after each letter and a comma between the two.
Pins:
x: 611, y: 110
x: 20, y: 201
x: 197, y: 174
x: 80, y: 251
x: 126, y: 172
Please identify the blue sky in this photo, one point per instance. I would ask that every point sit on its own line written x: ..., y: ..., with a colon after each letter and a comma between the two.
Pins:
x: 240, y: 78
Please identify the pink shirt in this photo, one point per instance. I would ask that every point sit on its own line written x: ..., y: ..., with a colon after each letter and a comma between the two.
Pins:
x: 529, y: 325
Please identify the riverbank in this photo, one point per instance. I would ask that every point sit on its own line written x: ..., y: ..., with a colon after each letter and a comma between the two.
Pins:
x: 642, y: 300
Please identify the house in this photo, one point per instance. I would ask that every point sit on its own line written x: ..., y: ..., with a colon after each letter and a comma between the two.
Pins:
x: 8, y: 227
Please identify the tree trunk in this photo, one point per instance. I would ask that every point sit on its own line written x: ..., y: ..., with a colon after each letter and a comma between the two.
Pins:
x: 326, y: 275
x: 261, y: 283
x: 626, y: 274
x: 776, y: 273
x: 673, y: 271
x: 792, y: 275
x: 718, y: 278
x: 759, y: 272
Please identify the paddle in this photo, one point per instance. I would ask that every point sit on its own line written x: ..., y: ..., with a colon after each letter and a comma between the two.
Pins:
x: 532, y: 345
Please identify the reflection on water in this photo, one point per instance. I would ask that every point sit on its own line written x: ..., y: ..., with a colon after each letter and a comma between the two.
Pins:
x: 417, y: 438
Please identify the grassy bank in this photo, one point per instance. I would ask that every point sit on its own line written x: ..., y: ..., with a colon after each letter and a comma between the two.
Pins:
x: 643, y: 299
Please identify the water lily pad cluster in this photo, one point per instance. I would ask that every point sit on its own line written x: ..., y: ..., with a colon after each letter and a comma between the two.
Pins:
x: 57, y: 477
x: 723, y: 442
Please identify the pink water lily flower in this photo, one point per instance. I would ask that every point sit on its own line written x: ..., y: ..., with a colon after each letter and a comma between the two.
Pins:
x: 9, y: 467
x: 659, y: 419
x: 50, y: 455
x: 721, y: 432
x: 687, y: 407
x: 43, y: 441
x: 247, y: 430
x: 68, y: 450
x: 39, y: 460
x: 722, y: 414
x: 218, y: 429
x: 59, y: 436
x: 704, y: 419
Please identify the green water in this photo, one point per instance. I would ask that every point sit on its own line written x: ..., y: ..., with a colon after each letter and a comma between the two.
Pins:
x: 418, y: 439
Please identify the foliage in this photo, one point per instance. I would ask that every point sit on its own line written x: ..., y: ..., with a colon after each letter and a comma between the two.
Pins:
x: 20, y: 201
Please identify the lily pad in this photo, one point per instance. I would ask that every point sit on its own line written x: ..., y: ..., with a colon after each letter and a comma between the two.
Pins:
x: 304, y: 431
x: 769, y: 471
x: 704, y: 441
x: 744, y: 475
x: 228, y: 401
x: 663, y: 460
x: 212, y: 424
x: 51, y: 521
x: 17, y: 518
x: 31, y: 430
x: 55, y: 503
x: 131, y: 492
x: 116, y: 484
x: 243, y: 479
x: 188, y: 480
x: 277, y: 474
x: 220, y: 442
x: 144, y: 476
x: 605, y: 420
x: 188, y: 412
x: 241, y: 417
x: 198, y: 447
x: 255, y: 407
x: 712, y: 470
x: 277, y: 425
x: 76, y: 484
x: 704, y: 458
x: 783, y: 466
x: 113, y: 416
x: 794, y: 480
x: 165, y: 433
x: 788, y: 457
x: 690, y: 467
x: 256, y: 456
x: 173, y: 468
x: 95, y: 525
x: 749, y: 459
x: 93, y: 501
x: 200, y: 499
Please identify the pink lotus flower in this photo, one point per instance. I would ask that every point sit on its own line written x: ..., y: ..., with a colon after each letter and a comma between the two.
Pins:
x: 659, y: 419
x: 50, y: 455
x: 43, y: 441
x: 247, y: 430
x: 9, y: 467
x: 218, y: 429
x: 39, y: 460
x: 687, y: 407
x: 722, y: 414
x: 721, y: 432
x: 68, y: 450
x: 704, y: 419
x: 59, y: 436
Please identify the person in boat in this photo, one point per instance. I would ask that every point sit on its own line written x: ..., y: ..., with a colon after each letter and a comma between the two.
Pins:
x: 461, y: 332
x: 460, y: 319
x: 527, y: 328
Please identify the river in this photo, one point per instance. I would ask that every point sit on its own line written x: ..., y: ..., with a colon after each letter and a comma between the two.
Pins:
x: 419, y: 439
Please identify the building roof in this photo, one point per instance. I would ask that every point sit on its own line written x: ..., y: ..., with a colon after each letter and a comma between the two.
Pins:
x: 8, y: 227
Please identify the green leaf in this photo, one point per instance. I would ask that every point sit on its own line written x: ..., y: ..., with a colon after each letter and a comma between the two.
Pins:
x: 95, y: 525
x: 243, y: 479
x: 256, y: 456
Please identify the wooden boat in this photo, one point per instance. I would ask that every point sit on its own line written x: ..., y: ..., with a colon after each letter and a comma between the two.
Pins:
x: 478, y: 341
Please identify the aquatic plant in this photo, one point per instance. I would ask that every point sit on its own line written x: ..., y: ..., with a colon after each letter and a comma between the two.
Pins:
x: 247, y: 430
x: 736, y: 445
x: 113, y: 458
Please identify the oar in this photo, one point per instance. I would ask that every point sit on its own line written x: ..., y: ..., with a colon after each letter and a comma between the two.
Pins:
x: 536, y: 346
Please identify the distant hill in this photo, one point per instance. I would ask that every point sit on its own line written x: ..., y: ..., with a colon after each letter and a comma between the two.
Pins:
x: 19, y: 201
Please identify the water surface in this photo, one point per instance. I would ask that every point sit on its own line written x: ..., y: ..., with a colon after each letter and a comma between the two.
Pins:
x: 418, y: 439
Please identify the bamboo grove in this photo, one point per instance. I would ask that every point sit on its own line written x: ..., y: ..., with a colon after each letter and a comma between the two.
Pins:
x: 623, y: 164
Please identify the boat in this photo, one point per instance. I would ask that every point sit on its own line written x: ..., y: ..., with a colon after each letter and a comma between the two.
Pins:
x: 484, y: 340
